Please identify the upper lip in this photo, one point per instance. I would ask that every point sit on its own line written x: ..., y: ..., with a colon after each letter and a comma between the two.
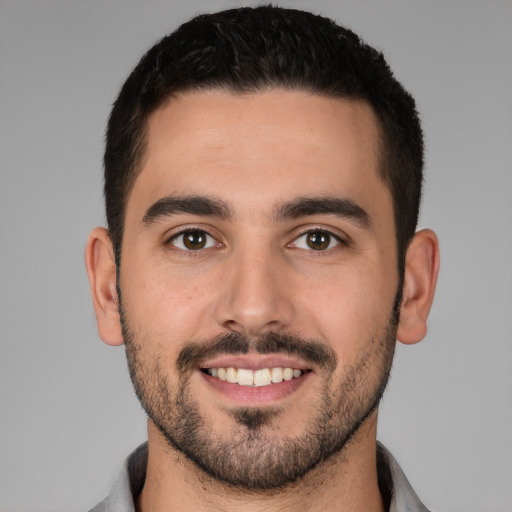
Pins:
x: 255, y: 362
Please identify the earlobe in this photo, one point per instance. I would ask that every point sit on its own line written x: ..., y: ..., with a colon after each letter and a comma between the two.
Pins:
x: 421, y: 270
x: 101, y: 269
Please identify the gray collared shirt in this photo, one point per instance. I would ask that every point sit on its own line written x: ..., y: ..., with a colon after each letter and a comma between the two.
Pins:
x: 130, y: 481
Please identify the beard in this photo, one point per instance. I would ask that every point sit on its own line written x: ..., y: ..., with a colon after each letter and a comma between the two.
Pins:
x: 253, y: 457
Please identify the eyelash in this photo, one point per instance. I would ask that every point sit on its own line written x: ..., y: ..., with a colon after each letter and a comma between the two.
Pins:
x: 170, y: 242
x: 319, y: 231
x: 191, y: 230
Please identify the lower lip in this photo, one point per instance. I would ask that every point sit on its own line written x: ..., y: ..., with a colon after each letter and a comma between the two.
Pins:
x: 256, y: 395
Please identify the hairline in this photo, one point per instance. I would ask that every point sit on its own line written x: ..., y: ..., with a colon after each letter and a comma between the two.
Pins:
x: 141, y: 141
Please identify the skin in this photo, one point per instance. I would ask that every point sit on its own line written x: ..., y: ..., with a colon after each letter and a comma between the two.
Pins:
x: 257, y: 275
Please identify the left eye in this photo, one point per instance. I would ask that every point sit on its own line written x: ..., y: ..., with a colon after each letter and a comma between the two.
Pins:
x: 193, y: 240
x: 316, y: 240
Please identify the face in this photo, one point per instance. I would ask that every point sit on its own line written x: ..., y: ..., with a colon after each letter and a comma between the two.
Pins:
x: 258, y: 280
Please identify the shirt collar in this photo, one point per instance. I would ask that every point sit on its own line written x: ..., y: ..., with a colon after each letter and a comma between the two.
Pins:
x: 132, y: 475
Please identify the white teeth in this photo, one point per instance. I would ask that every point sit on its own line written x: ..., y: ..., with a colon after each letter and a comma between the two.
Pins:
x: 262, y: 377
x: 231, y: 375
x: 277, y: 374
x: 256, y: 378
x: 245, y: 377
x: 287, y: 374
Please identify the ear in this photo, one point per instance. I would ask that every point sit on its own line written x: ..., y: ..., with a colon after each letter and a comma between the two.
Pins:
x: 421, y: 270
x: 101, y: 269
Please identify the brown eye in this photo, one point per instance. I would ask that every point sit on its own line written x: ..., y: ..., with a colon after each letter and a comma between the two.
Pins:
x: 193, y: 240
x: 317, y: 240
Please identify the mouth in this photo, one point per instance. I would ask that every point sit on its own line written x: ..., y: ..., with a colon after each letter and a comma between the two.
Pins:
x: 255, y: 378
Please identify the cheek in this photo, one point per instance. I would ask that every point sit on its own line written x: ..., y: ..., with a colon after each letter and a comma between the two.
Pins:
x: 348, y: 309
x: 163, y: 304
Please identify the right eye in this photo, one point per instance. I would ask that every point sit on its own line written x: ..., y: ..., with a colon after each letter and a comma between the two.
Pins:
x: 317, y: 240
x: 193, y: 240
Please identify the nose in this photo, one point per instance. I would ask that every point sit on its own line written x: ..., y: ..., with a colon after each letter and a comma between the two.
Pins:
x: 255, y: 294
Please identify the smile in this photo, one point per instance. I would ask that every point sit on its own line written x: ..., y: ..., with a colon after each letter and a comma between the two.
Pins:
x: 254, y: 378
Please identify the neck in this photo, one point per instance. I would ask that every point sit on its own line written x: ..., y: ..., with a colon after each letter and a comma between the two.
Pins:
x: 345, y: 482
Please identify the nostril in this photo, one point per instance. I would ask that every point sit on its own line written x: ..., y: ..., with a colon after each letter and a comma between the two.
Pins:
x: 254, y: 328
x: 232, y: 325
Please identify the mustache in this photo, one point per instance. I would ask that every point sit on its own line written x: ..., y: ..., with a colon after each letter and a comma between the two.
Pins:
x: 311, y: 351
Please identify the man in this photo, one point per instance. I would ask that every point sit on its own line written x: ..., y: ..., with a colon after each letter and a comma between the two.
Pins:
x: 263, y: 175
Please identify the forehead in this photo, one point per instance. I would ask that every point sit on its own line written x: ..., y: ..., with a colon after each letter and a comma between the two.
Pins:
x: 265, y: 147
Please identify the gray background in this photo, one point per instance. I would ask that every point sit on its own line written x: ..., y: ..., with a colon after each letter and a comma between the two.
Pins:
x: 68, y: 414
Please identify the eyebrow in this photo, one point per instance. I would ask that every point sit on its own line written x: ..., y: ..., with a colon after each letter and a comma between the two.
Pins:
x: 191, y: 205
x: 301, y: 207
x: 338, y: 206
